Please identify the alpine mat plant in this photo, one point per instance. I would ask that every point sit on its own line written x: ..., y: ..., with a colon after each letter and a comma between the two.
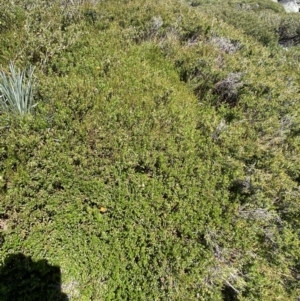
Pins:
x: 16, y: 90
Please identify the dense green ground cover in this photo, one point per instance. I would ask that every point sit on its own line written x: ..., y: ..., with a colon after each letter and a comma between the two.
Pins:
x: 182, y: 120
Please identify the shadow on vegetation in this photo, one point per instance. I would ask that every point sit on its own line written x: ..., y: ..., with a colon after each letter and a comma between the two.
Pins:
x: 229, y: 294
x: 22, y: 279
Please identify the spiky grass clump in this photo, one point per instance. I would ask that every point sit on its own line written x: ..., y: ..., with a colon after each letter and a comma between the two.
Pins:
x: 17, y: 90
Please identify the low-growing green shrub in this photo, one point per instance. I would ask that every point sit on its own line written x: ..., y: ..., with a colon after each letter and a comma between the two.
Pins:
x: 289, y: 31
x: 163, y: 160
x: 11, y: 16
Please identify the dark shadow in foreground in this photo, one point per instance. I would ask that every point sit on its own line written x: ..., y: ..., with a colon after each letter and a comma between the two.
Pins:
x: 22, y: 279
x: 229, y: 294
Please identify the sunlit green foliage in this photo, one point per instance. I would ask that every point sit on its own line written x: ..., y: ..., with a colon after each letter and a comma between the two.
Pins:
x: 182, y: 119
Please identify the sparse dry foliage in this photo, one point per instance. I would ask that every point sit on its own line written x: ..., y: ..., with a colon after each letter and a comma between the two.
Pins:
x: 228, y: 89
x: 226, y: 45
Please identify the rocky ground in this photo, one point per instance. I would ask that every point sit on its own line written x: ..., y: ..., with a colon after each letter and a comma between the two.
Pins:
x: 290, y: 6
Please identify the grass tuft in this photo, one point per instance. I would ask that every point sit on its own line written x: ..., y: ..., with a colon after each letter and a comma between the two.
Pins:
x: 17, y: 90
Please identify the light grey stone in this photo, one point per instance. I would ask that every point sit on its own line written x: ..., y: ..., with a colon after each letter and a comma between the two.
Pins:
x: 290, y: 6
